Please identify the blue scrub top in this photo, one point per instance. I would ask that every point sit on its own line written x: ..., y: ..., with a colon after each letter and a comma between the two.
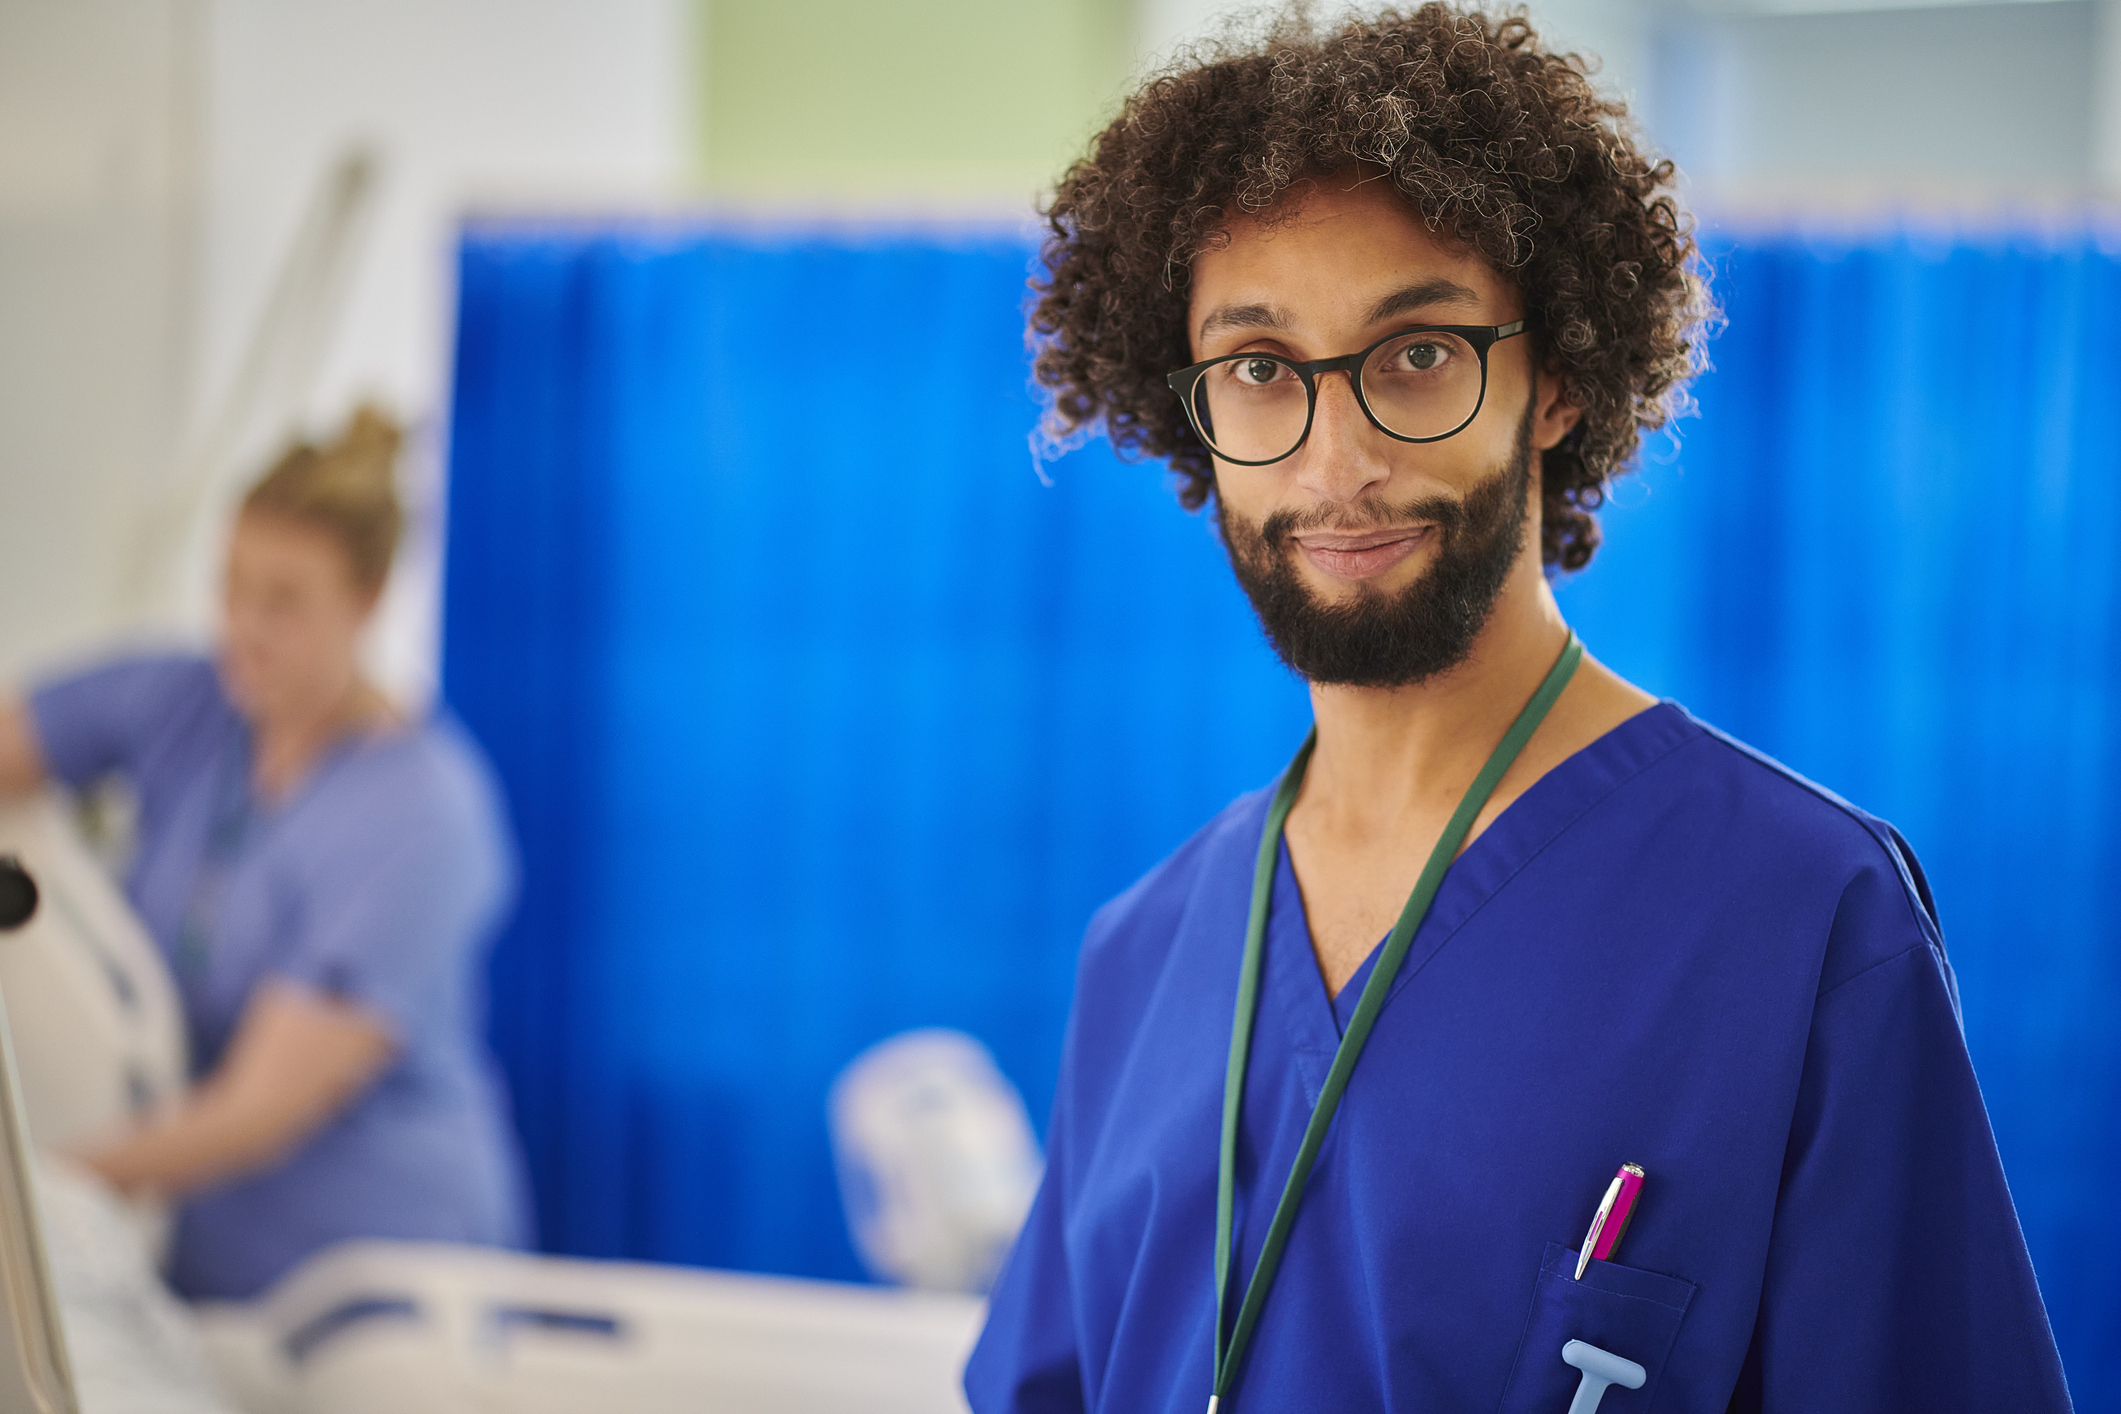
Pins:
x: 381, y: 882
x: 1669, y: 951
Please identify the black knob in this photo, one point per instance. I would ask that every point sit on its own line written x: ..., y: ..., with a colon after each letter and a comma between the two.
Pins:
x: 18, y: 894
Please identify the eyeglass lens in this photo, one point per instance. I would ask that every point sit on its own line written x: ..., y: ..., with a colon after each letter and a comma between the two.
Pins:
x: 1253, y: 407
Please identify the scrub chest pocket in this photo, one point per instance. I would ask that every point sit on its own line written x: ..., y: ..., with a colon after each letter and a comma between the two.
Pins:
x: 1633, y: 1314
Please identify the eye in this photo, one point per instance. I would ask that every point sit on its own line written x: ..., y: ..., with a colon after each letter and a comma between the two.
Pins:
x: 1425, y: 355
x: 1258, y: 372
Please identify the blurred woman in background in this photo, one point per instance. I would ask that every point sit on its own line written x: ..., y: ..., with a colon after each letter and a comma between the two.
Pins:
x: 323, y: 875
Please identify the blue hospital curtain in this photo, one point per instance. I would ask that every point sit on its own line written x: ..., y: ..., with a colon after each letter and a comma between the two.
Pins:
x: 823, y: 713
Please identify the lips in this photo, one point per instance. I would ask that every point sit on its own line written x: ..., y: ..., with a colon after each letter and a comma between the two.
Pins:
x: 1363, y: 556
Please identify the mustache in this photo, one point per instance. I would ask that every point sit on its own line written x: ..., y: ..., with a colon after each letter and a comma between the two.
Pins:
x: 1446, y: 513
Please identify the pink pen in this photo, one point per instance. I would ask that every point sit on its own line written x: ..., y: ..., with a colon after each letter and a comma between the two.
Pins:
x: 1611, y: 1222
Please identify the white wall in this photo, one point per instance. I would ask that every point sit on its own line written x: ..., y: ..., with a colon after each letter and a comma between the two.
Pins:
x: 144, y: 256
x: 95, y: 186
x: 575, y: 102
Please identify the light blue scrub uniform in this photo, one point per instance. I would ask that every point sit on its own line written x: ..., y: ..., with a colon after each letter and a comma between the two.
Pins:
x: 380, y: 882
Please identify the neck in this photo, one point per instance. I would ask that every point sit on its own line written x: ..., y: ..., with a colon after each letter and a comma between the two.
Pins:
x: 1383, y: 751
x: 290, y: 741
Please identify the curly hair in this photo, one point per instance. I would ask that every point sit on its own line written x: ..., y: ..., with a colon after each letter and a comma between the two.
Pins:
x: 1499, y: 145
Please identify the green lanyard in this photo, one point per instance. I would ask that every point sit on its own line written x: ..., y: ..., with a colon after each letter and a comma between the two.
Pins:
x: 1230, y: 1346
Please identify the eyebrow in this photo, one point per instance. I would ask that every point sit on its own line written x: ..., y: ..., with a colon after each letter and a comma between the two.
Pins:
x: 1245, y: 316
x: 1420, y: 295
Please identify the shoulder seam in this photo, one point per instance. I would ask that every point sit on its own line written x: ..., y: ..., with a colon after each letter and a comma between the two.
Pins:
x: 1906, y: 952
x: 1926, y: 921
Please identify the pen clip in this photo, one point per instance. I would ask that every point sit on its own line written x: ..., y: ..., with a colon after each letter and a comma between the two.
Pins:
x: 1590, y: 1239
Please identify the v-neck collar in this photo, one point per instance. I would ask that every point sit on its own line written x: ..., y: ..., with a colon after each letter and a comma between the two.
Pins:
x: 1314, y: 1020
x: 335, y: 754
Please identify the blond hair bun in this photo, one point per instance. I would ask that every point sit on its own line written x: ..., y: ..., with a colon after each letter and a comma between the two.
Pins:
x: 347, y: 487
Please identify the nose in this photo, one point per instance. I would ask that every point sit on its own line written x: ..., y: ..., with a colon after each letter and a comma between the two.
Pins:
x: 1344, y: 456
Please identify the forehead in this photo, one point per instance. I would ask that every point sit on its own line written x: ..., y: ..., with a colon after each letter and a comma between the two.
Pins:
x: 1338, y: 254
x: 267, y: 539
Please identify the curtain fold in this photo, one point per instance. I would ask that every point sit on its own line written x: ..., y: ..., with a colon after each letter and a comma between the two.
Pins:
x: 822, y: 717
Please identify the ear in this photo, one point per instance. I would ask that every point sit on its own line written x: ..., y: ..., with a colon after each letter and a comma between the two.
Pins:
x: 1553, y: 415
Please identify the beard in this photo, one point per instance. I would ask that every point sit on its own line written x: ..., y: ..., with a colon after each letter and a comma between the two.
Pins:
x: 1377, y: 639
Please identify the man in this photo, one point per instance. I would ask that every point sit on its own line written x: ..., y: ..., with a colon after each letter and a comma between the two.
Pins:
x: 1397, y: 301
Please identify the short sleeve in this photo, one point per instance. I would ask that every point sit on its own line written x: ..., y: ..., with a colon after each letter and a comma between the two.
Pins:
x: 107, y: 719
x: 397, y: 900
x: 1897, y: 1276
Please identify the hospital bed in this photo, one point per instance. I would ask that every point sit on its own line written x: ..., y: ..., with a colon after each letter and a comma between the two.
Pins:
x: 430, y: 1329
x: 408, y: 1328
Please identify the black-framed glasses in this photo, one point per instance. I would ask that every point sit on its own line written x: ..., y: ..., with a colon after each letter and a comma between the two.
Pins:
x: 1420, y: 384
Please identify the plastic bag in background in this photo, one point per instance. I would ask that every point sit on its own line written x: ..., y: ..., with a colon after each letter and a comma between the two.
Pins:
x: 937, y: 1161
